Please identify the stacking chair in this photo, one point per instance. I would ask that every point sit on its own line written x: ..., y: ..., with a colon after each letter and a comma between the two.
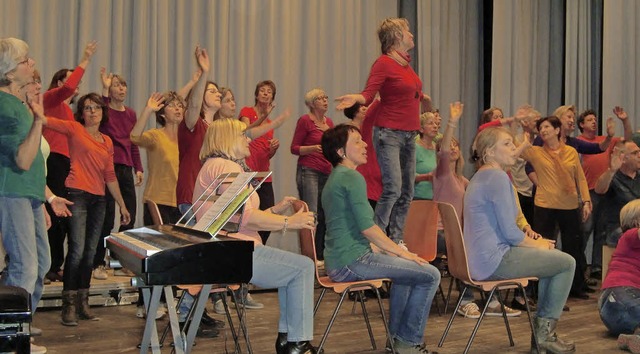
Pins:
x: 459, y: 269
x: 421, y: 235
x: 154, y: 212
x: 307, y: 247
x: 15, y: 319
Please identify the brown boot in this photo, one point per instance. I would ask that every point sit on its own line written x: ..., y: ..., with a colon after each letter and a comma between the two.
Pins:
x: 548, y: 340
x: 69, y: 307
x: 82, y: 306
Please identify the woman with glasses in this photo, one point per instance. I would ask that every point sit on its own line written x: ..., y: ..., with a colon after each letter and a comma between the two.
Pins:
x: 91, y: 155
x: 162, y: 153
x: 313, y: 168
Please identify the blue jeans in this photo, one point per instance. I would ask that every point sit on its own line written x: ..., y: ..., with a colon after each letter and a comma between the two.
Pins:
x: 620, y: 309
x: 553, y: 268
x: 293, y: 275
x: 183, y: 208
x: 85, y: 228
x: 413, y: 289
x: 396, y: 150
x: 24, y: 237
x: 310, y: 185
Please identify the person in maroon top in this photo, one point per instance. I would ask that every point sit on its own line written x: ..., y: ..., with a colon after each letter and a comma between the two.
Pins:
x: 62, y: 90
x: 619, y: 302
x: 126, y: 159
x: 264, y: 147
x: 371, y: 170
x: 313, y: 169
x: 397, y: 123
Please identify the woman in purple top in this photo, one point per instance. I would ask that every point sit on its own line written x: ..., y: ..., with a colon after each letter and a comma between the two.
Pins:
x: 313, y: 169
x: 498, y: 249
x: 126, y: 159
x: 619, y: 303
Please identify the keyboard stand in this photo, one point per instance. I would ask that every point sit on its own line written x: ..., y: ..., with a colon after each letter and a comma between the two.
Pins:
x: 183, y: 342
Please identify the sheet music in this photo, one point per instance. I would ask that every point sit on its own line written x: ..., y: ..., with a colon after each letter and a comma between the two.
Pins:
x: 213, y: 219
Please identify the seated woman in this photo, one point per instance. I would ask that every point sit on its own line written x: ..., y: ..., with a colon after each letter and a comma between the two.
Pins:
x: 349, y: 255
x: 224, y: 149
x: 498, y: 249
x: 620, y: 299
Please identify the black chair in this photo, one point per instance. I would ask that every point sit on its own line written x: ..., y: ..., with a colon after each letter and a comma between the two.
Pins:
x: 15, y: 319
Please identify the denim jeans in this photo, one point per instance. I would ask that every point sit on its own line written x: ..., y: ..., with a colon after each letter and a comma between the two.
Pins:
x: 24, y: 237
x: 396, y: 150
x: 124, y: 175
x: 593, y: 225
x: 85, y: 228
x: 413, y: 289
x: 183, y: 208
x: 293, y: 275
x: 553, y: 268
x: 310, y: 185
x: 620, y: 309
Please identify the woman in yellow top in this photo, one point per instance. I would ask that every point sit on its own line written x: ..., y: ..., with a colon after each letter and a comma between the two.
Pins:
x: 561, y: 184
x: 162, y: 153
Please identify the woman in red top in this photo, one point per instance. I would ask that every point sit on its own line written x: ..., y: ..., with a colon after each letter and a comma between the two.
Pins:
x: 313, y: 169
x: 620, y: 299
x: 91, y: 154
x: 397, y: 123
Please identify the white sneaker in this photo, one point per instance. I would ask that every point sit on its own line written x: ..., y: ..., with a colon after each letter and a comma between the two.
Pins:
x: 403, y: 245
x: 320, y: 264
x: 469, y: 310
x: 218, y: 307
x: 100, y: 273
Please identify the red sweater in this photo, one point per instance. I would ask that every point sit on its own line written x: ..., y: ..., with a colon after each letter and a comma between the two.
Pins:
x: 189, y: 145
x: 307, y: 134
x: 91, y: 160
x: 54, y: 106
x: 624, y: 268
x: 400, y: 91
x: 260, y: 158
x: 371, y: 170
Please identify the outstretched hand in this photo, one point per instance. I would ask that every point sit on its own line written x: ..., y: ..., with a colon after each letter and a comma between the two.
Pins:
x: 455, y: 109
x: 106, y: 78
x: 202, y: 58
x: 345, y: 101
x: 611, y: 127
x: 35, y: 104
x: 156, y: 101
x: 620, y: 113
x: 89, y: 50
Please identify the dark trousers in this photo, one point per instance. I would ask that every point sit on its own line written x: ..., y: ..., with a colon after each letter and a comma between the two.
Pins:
x: 58, y: 167
x: 526, y: 204
x: 85, y: 227
x: 124, y: 175
x: 169, y: 214
x: 568, y: 221
x: 267, y: 200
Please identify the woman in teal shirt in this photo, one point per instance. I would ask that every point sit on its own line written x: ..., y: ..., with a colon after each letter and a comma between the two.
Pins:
x: 426, y: 156
x: 349, y: 255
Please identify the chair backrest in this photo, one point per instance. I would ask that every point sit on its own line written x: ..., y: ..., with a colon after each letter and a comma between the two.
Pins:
x: 154, y: 212
x: 456, y: 252
x: 421, y: 229
x: 307, y: 237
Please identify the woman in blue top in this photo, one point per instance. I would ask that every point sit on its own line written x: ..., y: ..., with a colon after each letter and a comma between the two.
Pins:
x: 498, y: 249
x: 351, y: 234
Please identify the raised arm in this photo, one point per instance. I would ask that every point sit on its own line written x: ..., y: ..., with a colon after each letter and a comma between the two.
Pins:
x: 184, y: 90
x: 626, y: 124
x: 455, y: 110
x: 195, y: 99
x: 57, y: 95
x: 106, y: 81
x: 28, y: 149
x: 154, y: 104
x: 615, y: 161
x: 257, y: 131
x: 611, y: 130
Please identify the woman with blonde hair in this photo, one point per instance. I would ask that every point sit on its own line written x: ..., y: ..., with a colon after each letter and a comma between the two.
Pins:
x: 501, y: 250
x: 313, y: 169
x: 425, y: 156
x: 224, y: 149
x: 395, y: 129
x: 619, y: 302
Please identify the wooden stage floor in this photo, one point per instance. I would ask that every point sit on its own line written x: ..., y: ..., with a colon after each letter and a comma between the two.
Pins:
x: 119, y: 330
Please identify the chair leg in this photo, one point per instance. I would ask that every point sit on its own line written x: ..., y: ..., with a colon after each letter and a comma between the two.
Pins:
x: 533, y: 330
x: 453, y: 315
x: 333, y: 318
x: 366, y: 319
x: 504, y: 316
x: 241, y: 317
x: 384, y: 321
x: 446, y: 303
x: 315, y: 308
x: 477, y: 326
x: 231, y: 326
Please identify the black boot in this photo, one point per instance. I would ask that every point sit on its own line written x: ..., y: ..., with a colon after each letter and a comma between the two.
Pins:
x: 69, y: 317
x: 281, y: 343
x: 303, y: 347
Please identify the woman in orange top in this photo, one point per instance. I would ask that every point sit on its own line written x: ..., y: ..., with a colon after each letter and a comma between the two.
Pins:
x: 91, y: 154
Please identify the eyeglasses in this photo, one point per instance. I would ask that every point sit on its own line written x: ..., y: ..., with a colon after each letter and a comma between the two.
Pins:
x: 175, y: 104
x: 92, y: 108
x: 321, y: 98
